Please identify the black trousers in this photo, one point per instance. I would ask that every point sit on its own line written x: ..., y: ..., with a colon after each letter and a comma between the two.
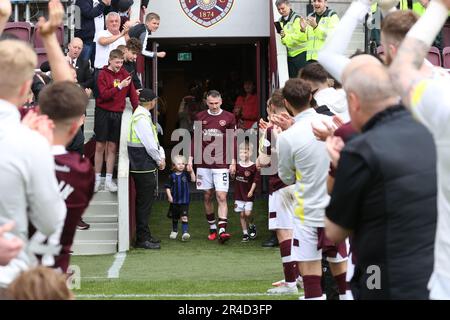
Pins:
x: 295, y: 64
x: 145, y: 189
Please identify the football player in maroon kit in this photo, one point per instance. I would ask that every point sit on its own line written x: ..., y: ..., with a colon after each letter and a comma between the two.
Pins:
x: 281, y: 204
x: 64, y: 102
x: 215, y: 160
x: 244, y: 190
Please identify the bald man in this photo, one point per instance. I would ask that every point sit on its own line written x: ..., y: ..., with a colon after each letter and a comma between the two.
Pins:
x: 84, y: 75
x: 384, y: 194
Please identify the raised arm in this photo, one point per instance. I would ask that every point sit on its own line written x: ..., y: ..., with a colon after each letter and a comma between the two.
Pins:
x: 405, y: 69
x: 5, y: 13
x: 47, y: 29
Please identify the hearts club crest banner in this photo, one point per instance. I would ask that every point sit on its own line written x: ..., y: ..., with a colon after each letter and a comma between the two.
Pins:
x: 206, y: 12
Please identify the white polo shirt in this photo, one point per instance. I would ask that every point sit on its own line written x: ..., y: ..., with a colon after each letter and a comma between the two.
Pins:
x: 29, y: 190
x: 304, y: 160
x: 102, y: 52
x: 430, y: 102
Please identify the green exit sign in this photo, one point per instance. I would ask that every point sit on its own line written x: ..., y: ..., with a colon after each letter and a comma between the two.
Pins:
x: 185, y: 56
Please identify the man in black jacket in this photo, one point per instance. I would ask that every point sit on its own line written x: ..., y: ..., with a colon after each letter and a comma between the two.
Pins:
x: 84, y: 75
x: 385, y: 189
x: 92, y: 20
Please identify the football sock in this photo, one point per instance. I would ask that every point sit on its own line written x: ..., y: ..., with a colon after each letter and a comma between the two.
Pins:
x: 175, y: 225
x: 222, y: 224
x: 184, y: 227
x: 341, y: 283
x: 313, y: 289
x: 288, y: 267
x: 212, y: 222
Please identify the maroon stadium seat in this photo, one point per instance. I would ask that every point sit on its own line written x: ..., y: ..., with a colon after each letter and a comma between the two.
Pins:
x: 42, y: 56
x: 434, y: 56
x: 37, y: 39
x: 380, y: 50
x: 22, y: 30
x: 446, y: 35
x: 446, y: 58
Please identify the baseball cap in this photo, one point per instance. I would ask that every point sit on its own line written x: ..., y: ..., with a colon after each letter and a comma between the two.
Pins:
x: 147, y: 95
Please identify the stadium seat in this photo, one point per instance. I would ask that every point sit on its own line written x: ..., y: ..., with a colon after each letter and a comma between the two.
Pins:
x: 42, y: 56
x: 380, y: 50
x: 22, y: 30
x: 434, y: 56
x: 446, y: 57
x: 446, y: 35
x: 37, y: 40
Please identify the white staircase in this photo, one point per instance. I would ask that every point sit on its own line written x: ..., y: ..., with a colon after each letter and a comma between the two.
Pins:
x: 102, y: 213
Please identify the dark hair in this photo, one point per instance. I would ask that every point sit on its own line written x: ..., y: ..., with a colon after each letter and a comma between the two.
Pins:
x: 214, y: 94
x: 297, y: 92
x: 116, y: 54
x: 134, y: 45
x: 62, y: 101
x: 313, y: 72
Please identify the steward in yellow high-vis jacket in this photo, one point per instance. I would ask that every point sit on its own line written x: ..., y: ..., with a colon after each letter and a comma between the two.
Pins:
x: 321, y: 23
x: 146, y: 157
x: 292, y: 37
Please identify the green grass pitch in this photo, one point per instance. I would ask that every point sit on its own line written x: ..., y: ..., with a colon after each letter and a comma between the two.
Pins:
x: 198, y: 269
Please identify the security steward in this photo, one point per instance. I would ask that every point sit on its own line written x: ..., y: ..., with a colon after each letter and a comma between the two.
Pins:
x: 293, y: 37
x: 146, y: 156
x: 321, y: 23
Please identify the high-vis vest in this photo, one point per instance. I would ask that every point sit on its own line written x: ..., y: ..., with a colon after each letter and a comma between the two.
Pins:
x: 140, y: 160
x: 295, y: 41
x: 316, y: 37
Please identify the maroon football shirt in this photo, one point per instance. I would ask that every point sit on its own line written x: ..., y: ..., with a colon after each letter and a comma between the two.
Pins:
x: 214, y: 145
x: 275, y: 182
x: 245, y: 176
x: 76, y: 181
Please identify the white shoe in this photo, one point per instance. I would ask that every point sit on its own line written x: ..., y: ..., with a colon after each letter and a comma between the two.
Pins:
x: 173, y: 235
x: 279, y: 283
x: 97, y: 185
x: 185, y: 237
x: 299, y: 282
x: 284, y: 289
x: 111, y: 186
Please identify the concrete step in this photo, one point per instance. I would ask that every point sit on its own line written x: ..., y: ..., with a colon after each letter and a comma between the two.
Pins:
x: 93, y: 234
x: 89, y: 123
x: 102, y: 196
x: 99, y: 208
x: 107, y: 218
x: 88, y: 134
x: 94, y: 247
x: 103, y: 225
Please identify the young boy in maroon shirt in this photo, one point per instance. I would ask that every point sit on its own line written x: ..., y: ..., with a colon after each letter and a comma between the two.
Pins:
x: 114, y: 85
x: 244, y: 191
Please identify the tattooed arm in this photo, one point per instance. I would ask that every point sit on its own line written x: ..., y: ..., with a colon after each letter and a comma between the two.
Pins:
x: 405, y: 69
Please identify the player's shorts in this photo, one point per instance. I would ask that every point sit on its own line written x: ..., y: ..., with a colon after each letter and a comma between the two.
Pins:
x: 309, y: 243
x: 243, y: 206
x: 281, y: 209
x: 178, y: 210
x: 107, y: 125
x: 217, y: 179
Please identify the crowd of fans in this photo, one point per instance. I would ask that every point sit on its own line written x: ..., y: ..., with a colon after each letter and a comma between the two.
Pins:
x: 357, y: 178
